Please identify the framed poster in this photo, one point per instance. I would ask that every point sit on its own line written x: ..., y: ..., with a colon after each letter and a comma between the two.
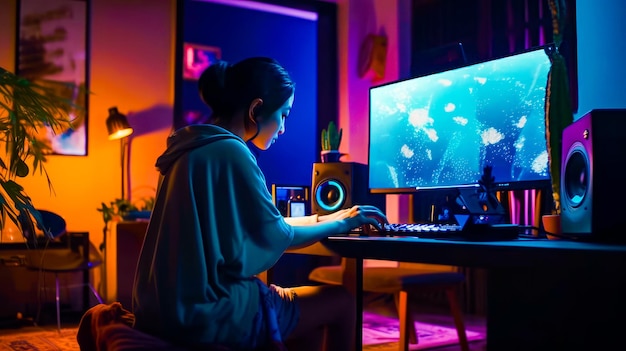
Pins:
x: 52, y: 50
x: 196, y: 58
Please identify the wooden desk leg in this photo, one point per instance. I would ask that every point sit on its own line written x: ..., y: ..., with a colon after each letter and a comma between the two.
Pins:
x: 353, y: 281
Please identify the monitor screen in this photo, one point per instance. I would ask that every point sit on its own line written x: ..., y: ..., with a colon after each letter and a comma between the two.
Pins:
x: 440, y: 130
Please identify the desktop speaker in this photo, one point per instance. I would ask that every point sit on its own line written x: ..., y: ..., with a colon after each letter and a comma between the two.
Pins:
x: 593, y: 185
x: 338, y: 185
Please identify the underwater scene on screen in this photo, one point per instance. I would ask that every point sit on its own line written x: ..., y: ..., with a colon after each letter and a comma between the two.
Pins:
x: 442, y: 129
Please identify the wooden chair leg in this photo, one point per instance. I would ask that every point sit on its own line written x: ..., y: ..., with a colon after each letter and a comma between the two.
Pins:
x: 411, y: 325
x: 406, y: 322
x: 457, y: 314
x: 57, y: 299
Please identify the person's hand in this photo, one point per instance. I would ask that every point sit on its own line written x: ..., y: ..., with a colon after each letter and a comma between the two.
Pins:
x: 357, y: 216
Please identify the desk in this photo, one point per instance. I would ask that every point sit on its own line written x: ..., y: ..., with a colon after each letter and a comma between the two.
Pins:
x: 542, y: 294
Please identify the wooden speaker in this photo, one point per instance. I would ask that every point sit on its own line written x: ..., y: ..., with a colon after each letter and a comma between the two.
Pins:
x: 338, y: 185
x: 592, y: 181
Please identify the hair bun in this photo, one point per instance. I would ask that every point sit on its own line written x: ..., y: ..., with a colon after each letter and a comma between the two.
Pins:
x: 212, y: 83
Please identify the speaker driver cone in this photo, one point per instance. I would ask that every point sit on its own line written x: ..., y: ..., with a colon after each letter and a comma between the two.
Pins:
x: 576, y: 176
x: 330, y: 195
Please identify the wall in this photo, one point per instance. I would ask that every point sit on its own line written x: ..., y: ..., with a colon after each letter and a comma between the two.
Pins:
x: 132, y: 55
x: 289, y: 161
x: 357, y: 19
x: 601, y: 54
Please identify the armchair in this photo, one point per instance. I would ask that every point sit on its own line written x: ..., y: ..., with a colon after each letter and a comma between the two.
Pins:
x: 79, y: 256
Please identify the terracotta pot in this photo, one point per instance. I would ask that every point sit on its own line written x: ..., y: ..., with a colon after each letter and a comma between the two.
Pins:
x: 552, y: 225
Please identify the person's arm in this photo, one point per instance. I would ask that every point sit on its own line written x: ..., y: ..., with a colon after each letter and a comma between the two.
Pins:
x: 304, y: 220
x: 312, y: 219
x: 310, y: 234
x: 339, y: 222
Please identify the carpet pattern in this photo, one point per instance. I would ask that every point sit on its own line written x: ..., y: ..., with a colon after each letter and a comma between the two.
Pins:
x: 380, y: 333
x: 51, y: 340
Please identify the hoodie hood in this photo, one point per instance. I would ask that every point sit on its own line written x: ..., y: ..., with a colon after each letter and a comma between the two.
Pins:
x: 188, y: 138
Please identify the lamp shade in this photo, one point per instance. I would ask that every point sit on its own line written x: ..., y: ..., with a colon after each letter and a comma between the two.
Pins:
x: 118, y: 125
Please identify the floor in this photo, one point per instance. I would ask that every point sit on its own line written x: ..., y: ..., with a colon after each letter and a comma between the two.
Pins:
x: 428, y: 312
x: 423, y: 311
x: 47, y: 321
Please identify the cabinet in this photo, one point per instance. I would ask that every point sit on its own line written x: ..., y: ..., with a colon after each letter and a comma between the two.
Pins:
x: 129, y: 238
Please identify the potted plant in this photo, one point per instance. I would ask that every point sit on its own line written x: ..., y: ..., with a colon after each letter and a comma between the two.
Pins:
x: 331, y: 139
x: 27, y: 110
x: 124, y: 209
x: 558, y: 108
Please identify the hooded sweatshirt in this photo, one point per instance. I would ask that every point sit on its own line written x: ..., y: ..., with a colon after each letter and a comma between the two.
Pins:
x: 214, y: 226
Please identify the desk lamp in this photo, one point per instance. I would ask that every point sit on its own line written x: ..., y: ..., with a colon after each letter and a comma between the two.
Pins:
x: 119, y: 128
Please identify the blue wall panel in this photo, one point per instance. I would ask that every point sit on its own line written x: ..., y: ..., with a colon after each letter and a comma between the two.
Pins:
x: 242, y: 33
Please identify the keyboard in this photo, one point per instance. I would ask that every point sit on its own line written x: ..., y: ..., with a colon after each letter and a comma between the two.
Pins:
x: 425, y: 230
x: 422, y: 230
x: 494, y: 232
x: 487, y: 232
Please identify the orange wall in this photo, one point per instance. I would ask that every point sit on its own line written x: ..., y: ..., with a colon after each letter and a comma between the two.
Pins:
x: 132, y: 55
x: 131, y: 67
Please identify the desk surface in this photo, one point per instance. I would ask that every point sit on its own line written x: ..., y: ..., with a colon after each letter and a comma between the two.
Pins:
x: 511, y: 253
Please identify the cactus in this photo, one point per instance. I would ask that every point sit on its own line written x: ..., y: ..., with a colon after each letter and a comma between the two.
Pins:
x: 558, y: 105
x: 331, y: 137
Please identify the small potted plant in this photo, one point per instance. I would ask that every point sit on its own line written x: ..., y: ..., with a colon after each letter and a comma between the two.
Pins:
x: 124, y: 210
x: 331, y: 139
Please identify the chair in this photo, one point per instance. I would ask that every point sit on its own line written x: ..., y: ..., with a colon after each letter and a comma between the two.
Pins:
x: 400, y: 281
x: 79, y: 256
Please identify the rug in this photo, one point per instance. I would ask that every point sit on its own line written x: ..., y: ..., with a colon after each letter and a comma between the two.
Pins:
x: 380, y: 333
x: 51, y: 340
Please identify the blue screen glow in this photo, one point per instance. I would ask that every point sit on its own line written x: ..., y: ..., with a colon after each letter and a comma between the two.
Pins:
x: 440, y: 130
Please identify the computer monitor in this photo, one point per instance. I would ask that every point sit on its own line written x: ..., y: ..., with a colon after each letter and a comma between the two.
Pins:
x: 439, y: 131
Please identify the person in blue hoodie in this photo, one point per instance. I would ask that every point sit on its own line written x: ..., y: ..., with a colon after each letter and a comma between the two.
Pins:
x: 214, y: 227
